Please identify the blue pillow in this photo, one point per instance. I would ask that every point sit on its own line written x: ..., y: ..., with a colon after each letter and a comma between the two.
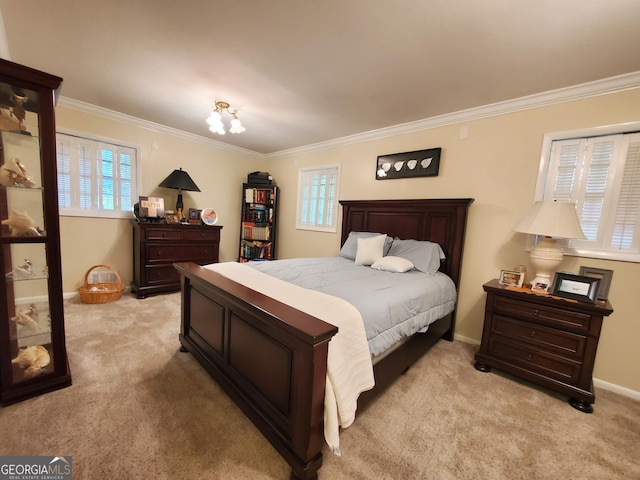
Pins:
x: 425, y: 256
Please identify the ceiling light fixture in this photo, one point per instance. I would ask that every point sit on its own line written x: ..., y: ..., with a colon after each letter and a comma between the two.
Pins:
x: 215, y: 119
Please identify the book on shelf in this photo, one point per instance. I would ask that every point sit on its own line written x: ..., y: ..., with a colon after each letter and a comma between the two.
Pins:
x: 258, y: 195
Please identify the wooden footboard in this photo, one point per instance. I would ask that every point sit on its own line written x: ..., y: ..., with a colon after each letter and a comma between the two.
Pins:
x: 270, y: 358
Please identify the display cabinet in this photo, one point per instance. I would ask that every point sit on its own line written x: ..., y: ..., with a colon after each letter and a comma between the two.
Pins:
x: 258, y: 222
x: 33, y: 358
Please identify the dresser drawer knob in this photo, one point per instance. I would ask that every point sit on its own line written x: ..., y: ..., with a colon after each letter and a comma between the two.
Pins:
x: 533, y: 333
x: 529, y: 357
x: 536, y: 312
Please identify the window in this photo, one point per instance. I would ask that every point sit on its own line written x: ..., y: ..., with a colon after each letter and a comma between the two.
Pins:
x: 318, y: 198
x: 600, y: 173
x: 95, y: 178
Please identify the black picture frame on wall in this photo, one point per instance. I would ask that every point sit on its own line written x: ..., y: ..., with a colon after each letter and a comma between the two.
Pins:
x: 575, y: 287
x: 421, y: 163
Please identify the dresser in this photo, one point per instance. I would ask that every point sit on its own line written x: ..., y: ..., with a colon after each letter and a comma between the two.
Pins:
x: 546, y: 340
x: 157, y: 246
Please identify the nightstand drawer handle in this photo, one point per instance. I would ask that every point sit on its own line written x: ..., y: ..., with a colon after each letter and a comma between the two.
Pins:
x: 529, y: 357
x: 536, y: 312
x: 533, y: 333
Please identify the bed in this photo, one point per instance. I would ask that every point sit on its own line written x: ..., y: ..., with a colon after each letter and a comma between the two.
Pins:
x: 226, y: 325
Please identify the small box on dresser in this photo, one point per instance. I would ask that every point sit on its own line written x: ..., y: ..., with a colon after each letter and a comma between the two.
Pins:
x: 546, y: 340
x: 157, y: 246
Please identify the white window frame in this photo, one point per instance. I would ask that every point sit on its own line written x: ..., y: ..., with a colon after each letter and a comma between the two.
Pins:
x: 310, y: 203
x: 596, y: 247
x: 89, y: 169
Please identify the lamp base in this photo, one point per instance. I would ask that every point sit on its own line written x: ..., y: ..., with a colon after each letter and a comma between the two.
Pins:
x: 180, y: 207
x: 545, y: 258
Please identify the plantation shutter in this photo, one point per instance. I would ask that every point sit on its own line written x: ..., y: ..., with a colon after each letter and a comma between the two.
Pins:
x: 606, y: 190
x: 627, y: 212
x: 95, y: 178
x: 63, y: 148
x: 317, y: 198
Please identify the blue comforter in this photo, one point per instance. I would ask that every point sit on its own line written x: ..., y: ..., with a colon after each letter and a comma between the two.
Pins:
x: 393, y: 305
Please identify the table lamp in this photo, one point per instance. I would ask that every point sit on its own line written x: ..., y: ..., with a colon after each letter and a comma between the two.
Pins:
x: 549, y: 220
x: 179, y: 180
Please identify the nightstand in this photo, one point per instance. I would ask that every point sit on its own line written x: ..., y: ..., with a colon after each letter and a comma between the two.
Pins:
x: 544, y: 339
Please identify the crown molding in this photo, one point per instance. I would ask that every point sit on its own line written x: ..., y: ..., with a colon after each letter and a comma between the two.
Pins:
x: 597, y: 88
x: 147, y: 125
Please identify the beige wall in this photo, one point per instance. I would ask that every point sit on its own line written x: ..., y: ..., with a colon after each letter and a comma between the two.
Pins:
x: 218, y: 172
x: 496, y: 165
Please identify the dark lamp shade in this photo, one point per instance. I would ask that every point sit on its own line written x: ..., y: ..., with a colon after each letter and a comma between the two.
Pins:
x: 180, y: 180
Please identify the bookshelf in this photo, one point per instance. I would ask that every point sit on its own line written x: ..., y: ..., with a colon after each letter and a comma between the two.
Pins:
x: 258, y: 222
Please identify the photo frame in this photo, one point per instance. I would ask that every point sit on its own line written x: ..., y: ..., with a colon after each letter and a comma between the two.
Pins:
x: 575, y: 287
x: 150, y: 207
x: 511, y: 278
x: 172, y: 218
x: 194, y: 214
x: 605, y: 277
x: 540, y: 287
x: 421, y: 163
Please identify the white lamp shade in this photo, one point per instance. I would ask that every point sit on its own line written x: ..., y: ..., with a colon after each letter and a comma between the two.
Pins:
x: 551, y: 219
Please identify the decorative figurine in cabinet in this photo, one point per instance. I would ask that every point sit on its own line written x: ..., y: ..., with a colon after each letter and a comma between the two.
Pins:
x: 33, y: 358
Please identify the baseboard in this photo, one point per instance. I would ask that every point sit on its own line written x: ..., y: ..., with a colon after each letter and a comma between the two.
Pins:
x: 612, y: 387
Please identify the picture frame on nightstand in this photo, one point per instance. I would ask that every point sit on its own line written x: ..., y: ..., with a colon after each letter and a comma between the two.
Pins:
x: 605, y: 277
x: 575, y: 287
x: 511, y: 278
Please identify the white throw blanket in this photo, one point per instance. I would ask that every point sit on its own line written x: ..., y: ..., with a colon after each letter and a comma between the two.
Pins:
x: 349, y: 367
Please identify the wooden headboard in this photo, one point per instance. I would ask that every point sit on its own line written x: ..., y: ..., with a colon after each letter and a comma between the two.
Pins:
x: 441, y: 221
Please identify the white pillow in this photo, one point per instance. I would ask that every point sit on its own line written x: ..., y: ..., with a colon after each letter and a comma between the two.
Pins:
x: 393, y: 264
x: 370, y: 249
x: 350, y: 247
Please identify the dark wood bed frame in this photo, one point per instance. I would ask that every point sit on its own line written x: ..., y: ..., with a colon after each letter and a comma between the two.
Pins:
x: 271, y: 359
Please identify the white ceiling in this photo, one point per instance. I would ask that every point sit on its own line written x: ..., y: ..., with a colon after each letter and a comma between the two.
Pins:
x: 302, y: 72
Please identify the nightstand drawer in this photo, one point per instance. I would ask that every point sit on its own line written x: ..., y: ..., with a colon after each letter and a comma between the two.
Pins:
x: 552, y: 340
x: 163, y: 234
x: 202, y: 236
x: 556, y: 317
x: 523, y: 356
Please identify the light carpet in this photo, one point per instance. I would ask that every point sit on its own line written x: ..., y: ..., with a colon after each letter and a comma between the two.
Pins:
x: 138, y: 408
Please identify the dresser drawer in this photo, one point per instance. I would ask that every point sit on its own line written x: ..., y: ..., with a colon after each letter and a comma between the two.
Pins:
x: 161, y: 275
x: 163, y: 234
x: 552, y: 340
x: 164, y: 253
x: 200, y: 253
x: 182, y: 253
x: 202, y: 236
x: 556, y: 317
x: 524, y: 356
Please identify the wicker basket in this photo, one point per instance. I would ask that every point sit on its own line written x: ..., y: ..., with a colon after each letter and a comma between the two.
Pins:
x: 104, y: 292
